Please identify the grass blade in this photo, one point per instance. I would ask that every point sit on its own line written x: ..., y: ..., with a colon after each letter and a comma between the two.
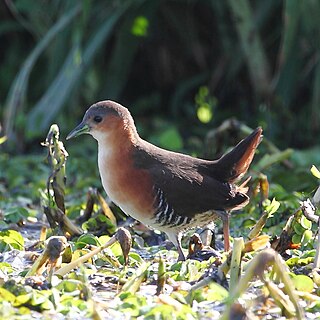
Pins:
x: 69, y: 75
x: 17, y: 93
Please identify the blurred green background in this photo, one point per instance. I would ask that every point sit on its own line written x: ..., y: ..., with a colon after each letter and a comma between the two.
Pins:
x: 182, y: 67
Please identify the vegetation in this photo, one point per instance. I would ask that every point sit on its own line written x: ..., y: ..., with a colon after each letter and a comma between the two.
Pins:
x: 196, y: 75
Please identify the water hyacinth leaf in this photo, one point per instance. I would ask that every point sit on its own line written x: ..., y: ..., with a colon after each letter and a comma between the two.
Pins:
x: 216, y: 292
x: 298, y: 228
x: 6, y: 268
x: 306, y: 237
x: 69, y: 285
x: 22, y: 299
x: 305, y: 223
x: 86, y: 239
x: 6, y: 295
x: 16, y: 214
x: 302, y: 283
x: 296, y: 238
x: 11, y: 239
x: 292, y: 261
x: 136, y: 257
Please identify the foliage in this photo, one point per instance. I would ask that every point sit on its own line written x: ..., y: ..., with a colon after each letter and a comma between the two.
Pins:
x: 196, y: 62
x: 93, y: 266
x: 181, y: 67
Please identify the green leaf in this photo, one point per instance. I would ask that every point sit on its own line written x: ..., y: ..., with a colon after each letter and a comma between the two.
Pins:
x: 216, y: 292
x: 86, y: 239
x: 303, y: 283
x: 292, y: 261
x: 6, y: 295
x: 269, y: 159
x: 69, y: 285
x: 314, y: 170
x: 16, y: 214
x: 296, y: 238
x: 273, y: 207
x: 305, y: 223
x: 171, y: 139
x: 299, y: 229
x: 11, y: 239
x: 306, y: 237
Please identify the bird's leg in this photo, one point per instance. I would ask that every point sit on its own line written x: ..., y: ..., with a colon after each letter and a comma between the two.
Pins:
x: 175, y: 238
x: 225, y: 217
x: 181, y: 255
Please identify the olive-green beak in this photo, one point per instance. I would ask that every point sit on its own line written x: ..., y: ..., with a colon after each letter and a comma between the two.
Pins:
x: 78, y: 130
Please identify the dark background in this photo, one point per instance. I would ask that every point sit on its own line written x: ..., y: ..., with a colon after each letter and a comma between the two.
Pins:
x: 169, y: 62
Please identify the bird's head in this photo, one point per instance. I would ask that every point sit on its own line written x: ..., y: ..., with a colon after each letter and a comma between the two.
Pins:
x: 103, y: 119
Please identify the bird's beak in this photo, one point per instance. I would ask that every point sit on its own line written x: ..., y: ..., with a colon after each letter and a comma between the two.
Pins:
x: 78, y: 130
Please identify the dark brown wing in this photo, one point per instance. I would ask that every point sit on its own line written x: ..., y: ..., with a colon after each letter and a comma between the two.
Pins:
x: 201, y: 194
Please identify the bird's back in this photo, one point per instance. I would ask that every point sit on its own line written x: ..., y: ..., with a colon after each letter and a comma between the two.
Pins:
x: 194, y: 185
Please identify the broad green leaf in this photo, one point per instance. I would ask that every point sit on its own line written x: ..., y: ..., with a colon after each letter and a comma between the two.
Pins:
x: 6, y: 295
x: 216, y: 292
x: 306, y: 237
x: 69, y: 285
x: 86, y: 239
x: 298, y: 228
x: 305, y: 223
x: 303, y: 283
x: 296, y: 238
x: 11, y: 239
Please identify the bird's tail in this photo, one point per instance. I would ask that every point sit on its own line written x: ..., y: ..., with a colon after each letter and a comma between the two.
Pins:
x: 233, y: 165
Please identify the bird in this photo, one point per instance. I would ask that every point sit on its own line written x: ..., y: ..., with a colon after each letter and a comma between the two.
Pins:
x: 168, y: 191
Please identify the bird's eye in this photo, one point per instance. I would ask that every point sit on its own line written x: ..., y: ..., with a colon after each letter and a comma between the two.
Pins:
x: 97, y: 119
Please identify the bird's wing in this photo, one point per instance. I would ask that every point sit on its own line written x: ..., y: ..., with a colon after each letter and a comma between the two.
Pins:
x: 184, y: 187
x: 190, y: 193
